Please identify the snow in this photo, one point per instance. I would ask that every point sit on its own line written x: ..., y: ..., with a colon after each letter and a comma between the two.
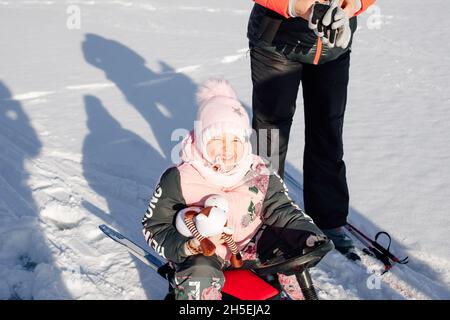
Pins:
x: 88, y: 121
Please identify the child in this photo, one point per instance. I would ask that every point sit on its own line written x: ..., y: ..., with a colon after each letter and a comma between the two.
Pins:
x: 217, y: 159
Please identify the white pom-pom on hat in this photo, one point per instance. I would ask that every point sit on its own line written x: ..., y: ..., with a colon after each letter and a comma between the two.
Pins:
x: 215, y: 88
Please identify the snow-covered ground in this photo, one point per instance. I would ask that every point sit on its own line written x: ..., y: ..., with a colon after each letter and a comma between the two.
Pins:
x: 86, y: 118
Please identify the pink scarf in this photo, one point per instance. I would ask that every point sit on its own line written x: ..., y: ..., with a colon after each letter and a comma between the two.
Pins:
x: 226, y: 179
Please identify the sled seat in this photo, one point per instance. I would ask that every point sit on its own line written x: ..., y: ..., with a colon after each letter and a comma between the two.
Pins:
x: 244, y: 284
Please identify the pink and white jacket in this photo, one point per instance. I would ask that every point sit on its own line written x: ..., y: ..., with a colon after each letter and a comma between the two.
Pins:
x: 259, y: 198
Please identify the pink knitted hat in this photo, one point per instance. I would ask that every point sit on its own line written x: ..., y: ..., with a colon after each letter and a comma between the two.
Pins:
x: 220, y: 112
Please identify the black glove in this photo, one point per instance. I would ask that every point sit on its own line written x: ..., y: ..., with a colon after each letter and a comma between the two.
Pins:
x: 315, y: 23
x: 338, y: 22
x: 331, y: 23
x: 286, y: 242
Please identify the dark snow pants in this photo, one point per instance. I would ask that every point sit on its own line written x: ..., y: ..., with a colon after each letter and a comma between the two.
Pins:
x: 276, y: 83
x: 199, y: 278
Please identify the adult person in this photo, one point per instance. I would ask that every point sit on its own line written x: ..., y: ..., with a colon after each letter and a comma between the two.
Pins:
x: 303, y: 41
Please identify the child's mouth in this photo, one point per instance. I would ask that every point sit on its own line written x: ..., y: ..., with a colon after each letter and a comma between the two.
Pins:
x: 227, y: 157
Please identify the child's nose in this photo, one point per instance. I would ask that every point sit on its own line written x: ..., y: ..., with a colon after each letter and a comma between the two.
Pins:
x: 227, y: 150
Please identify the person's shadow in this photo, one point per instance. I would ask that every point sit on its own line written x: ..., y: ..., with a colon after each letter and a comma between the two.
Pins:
x: 27, y: 268
x: 119, y: 165
x: 164, y: 98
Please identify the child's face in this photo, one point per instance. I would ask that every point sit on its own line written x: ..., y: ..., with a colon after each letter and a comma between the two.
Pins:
x: 228, y: 147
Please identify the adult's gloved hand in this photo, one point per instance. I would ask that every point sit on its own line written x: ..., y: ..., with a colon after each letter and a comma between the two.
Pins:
x: 336, y: 22
x: 318, y: 11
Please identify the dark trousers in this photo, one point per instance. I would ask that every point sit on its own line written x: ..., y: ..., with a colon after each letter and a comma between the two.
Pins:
x: 199, y: 278
x: 276, y: 82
